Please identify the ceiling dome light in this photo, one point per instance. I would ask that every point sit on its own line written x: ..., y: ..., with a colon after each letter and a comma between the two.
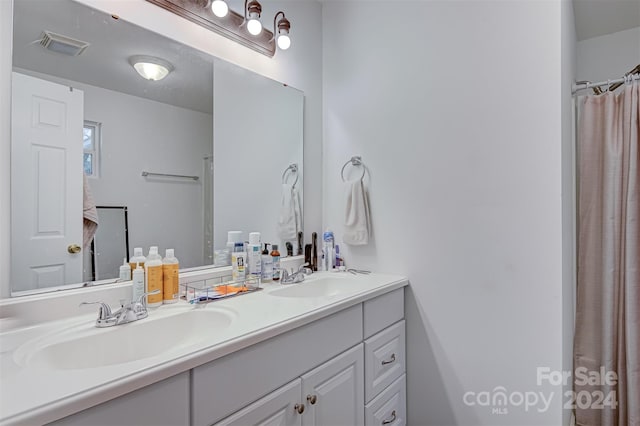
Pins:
x: 219, y: 8
x: 252, y: 13
x: 282, y: 31
x: 150, y: 67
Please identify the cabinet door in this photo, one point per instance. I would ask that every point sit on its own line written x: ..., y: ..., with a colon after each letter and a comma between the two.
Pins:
x: 333, y: 393
x: 276, y: 409
x: 164, y: 403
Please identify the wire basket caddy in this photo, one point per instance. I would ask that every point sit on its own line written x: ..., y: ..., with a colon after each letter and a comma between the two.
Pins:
x: 219, y: 288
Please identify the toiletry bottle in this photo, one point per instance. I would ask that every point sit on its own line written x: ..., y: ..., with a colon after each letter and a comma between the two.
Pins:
x: 328, y: 255
x: 137, y: 258
x: 138, y: 282
x: 289, y: 247
x: 314, y: 251
x: 338, y: 262
x: 125, y: 271
x: 254, y: 256
x: 275, y: 255
x: 170, y: 278
x: 267, y: 265
x: 233, y: 237
x: 238, y: 262
x: 153, y: 277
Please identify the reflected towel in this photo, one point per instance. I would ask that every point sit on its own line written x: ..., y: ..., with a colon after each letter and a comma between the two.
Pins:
x: 290, y: 219
x: 357, y: 223
x: 89, y: 214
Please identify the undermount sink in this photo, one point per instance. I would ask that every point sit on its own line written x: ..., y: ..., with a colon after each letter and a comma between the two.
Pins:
x: 326, y: 286
x: 81, y: 348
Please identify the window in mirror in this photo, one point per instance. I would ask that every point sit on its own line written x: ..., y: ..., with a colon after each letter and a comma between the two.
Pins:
x: 91, y: 145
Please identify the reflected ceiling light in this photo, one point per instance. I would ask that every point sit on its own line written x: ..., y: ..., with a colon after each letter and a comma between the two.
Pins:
x: 150, y: 67
x: 219, y: 8
x: 252, y: 12
x: 281, y: 31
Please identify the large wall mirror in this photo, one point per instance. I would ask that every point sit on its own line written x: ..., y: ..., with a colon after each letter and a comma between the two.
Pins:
x: 214, y: 140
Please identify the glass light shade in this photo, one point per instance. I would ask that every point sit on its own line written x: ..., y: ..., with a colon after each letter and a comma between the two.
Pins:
x: 284, y: 42
x: 219, y: 8
x: 254, y: 26
x: 150, y: 67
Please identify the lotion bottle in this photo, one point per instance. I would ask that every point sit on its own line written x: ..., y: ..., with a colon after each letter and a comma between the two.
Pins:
x: 275, y: 255
x: 238, y: 263
x: 125, y: 271
x: 254, y: 256
x: 137, y: 258
x: 267, y: 264
x: 138, y: 283
x: 153, y: 277
x: 170, y: 278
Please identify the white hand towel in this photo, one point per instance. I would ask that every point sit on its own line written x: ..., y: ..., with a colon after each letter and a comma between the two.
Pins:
x: 357, y: 224
x: 287, y: 226
x: 89, y: 214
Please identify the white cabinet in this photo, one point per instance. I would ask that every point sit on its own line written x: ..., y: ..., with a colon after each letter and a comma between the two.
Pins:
x: 334, y: 392
x: 384, y: 359
x: 279, y: 408
x: 331, y: 394
x: 162, y: 403
x: 390, y: 407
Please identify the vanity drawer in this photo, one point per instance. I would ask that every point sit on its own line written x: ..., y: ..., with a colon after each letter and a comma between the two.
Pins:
x: 384, y: 359
x: 382, y: 311
x: 390, y: 407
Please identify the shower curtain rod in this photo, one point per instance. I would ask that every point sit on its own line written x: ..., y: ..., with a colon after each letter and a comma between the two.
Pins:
x: 613, y: 84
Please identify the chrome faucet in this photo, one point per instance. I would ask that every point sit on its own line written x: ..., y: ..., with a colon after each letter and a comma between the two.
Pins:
x: 132, y: 311
x: 296, y: 277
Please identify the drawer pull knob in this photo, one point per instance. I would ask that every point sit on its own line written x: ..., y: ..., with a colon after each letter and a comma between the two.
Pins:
x: 299, y: 408
x: 392, y: 359
x: 391, y: 420
x: 312, y: 399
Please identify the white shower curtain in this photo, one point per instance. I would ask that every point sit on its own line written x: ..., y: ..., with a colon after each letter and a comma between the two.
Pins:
x: 607, y: 334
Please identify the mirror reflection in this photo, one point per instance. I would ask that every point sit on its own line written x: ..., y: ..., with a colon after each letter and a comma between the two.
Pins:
x: 86, y: 125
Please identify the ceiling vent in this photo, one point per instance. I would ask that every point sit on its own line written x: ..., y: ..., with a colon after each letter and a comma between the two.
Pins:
x: 62, y: 44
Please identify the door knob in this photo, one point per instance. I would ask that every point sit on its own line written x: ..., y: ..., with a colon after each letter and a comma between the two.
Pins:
x: 299, y: 408
x: 311, y: 399
x: 74, y: 248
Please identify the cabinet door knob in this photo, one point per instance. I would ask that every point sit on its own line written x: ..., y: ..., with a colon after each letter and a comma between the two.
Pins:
x: 392, y: 359
x: 391, y: 420
x: 299, y: 408
x: 74, y: 248
x: 312, y: 399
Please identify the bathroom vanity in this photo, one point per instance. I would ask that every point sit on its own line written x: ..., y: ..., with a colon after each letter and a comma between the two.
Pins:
x: 328, y: 351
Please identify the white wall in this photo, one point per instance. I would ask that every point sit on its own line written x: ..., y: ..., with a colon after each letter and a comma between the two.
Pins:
x: 300, y: 67
x: 568, y: 71
x: 457, y: 115
x: 608, y: 56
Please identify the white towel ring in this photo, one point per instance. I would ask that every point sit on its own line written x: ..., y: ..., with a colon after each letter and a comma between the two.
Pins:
x: 293, y: 168
x: 354, y: 161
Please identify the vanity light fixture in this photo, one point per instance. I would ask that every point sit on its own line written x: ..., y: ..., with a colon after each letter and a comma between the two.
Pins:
x: 243, y: 27
x: 220, y: 8
x: 252, y: 11
x: 150, y: 67
x: 281, y: 31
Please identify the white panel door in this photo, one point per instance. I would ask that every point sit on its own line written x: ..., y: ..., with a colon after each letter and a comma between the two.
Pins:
x: 276, y: 409
x: 46, y: 182
x: 334, y: 392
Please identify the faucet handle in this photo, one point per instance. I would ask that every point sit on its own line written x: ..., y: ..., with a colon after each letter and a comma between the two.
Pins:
x: 143, y: 297
x: 105, y: 310
x: 304, y: 268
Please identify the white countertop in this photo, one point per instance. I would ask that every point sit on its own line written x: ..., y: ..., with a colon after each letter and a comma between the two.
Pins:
x: 41, y: 394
